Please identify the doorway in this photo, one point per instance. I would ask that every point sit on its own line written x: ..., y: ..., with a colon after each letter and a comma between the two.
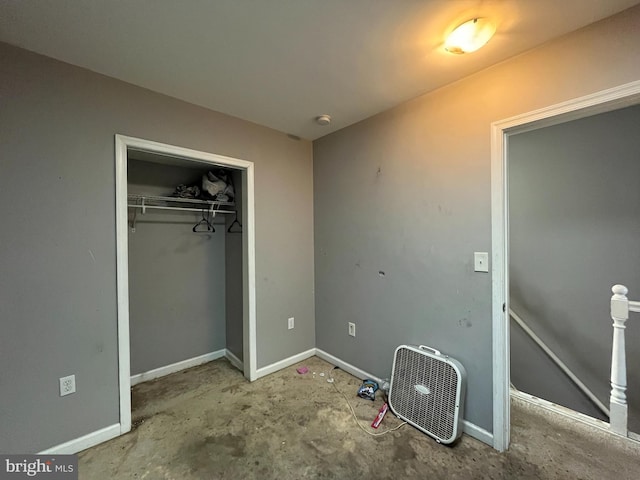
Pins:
x: 607, y: 100
x: 574, y: 224
x: 123, y: 146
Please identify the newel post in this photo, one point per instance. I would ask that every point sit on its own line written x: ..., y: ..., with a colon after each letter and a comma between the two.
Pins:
x: 618, y: 399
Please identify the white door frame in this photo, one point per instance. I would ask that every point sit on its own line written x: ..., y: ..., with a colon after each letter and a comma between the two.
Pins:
x: 600, y: 102
x: 123, y: 143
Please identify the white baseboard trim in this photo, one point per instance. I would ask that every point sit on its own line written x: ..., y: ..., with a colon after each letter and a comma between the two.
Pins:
x: 559, y: 409
x: 84, y: 442
x: 107, y: 433
x: 477, y: 432
x: 235, y: 361
x: 287, y: 362
x: 176, y: 367
x: 571, y: 414
x: 347, y: 367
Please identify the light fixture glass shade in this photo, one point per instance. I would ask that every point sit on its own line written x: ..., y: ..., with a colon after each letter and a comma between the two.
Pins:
x: 470, y: 36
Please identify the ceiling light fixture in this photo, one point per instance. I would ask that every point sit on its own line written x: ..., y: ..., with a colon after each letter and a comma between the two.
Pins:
x: 469, y: 36
x: 323, y: 120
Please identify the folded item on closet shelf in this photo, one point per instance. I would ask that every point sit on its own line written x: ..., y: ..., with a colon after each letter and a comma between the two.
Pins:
x: 187, y: 192
x: 216, y: 184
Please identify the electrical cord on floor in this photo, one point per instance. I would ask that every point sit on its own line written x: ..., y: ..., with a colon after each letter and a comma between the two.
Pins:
x: 353, y: 412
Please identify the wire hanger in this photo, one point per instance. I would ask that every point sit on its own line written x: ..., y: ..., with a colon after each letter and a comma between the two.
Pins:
x: 235, y: 221
x: 205, y: 221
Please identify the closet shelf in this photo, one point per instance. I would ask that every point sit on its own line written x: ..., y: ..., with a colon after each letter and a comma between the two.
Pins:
x: 144, y: 202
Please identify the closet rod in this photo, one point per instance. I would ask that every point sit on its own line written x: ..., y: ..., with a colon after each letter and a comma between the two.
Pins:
x: 154, y: 198
x: 179, y: 208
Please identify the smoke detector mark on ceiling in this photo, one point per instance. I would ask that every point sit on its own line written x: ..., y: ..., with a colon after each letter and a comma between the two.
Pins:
x: 323, y: 120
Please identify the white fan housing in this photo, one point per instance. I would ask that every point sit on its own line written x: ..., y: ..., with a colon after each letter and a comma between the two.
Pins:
x: 427, y: 391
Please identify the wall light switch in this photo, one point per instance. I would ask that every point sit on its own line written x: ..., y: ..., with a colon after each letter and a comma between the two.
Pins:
x: 481, y: 261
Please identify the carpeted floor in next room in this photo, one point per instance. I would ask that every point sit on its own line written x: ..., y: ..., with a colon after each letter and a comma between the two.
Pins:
x: 208, y: 422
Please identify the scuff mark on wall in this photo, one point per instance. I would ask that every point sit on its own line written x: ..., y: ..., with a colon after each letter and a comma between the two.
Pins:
x: 464, y: 322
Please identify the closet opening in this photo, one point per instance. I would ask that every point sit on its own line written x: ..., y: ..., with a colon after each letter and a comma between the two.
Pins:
x: 185, y: 262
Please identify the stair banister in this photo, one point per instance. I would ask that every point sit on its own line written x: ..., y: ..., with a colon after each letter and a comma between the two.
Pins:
x: 620, y: 308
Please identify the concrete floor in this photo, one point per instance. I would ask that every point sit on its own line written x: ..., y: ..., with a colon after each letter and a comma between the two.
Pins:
x: 210, y: 423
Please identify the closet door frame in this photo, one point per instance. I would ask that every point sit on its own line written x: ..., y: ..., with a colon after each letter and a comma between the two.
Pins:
x: 122, y: 144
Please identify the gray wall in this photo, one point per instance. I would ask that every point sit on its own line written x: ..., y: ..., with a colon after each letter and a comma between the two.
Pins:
x: 532, y: 371
x: 58, y: 251
x: 574, y: 209
x: 177, y: 277
x: 233, y: 271
x: 408, y: 192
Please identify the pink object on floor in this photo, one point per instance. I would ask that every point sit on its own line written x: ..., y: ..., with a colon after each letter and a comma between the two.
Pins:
x: 302, y: 370
x: 378, y: 420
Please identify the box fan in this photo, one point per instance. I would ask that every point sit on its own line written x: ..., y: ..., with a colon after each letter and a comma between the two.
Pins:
x: 427, y: 391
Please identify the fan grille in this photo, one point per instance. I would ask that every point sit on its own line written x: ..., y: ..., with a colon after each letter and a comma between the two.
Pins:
x: 432, y: 409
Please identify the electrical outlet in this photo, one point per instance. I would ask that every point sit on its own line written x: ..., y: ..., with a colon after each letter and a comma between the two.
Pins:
x: 352, y: 329
x: 67, y: 385
x: 291, y: 322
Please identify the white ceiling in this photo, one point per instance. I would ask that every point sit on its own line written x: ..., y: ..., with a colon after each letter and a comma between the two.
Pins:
x: 280, y: 63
